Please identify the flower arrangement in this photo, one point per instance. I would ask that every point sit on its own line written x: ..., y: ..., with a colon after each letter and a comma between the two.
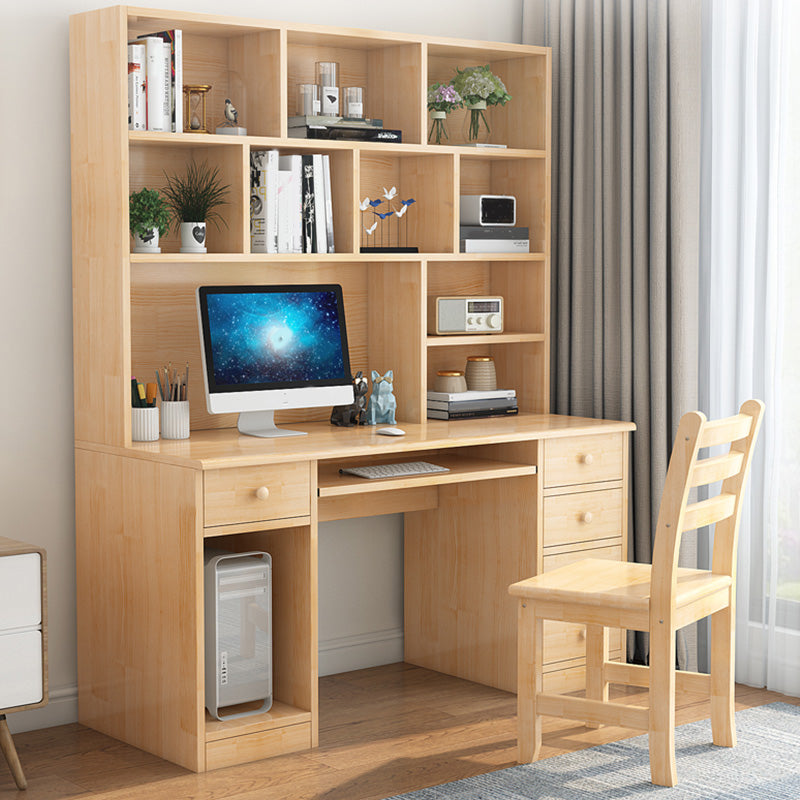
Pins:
x: 479, y: 88
x: 442, y: 99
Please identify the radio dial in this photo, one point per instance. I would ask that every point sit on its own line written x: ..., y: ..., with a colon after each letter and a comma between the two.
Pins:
x: 493, y: 321
x: 470, y: 320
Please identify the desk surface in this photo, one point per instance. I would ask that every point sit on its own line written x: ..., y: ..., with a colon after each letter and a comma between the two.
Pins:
x: 212, y: 449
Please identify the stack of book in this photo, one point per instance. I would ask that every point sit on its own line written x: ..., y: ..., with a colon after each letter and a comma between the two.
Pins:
x: 349, y: 129
x: 291, y: 207
x: 469, y: 405
x: 494, y: 239
x: 155, y: 82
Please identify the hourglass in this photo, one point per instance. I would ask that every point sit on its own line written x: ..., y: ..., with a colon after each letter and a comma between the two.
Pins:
x: 194, y: 108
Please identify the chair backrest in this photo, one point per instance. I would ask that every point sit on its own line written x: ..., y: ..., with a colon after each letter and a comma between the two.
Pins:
x: 687, y: 471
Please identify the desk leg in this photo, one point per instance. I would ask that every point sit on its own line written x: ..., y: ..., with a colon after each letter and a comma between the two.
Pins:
x: 10, y: 752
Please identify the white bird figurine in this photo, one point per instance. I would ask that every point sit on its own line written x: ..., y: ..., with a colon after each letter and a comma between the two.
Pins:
x: 401, y: 211
x: 364, y: 205
x: 371, y: 229
x: 390, y: 193
x: 231, y: 114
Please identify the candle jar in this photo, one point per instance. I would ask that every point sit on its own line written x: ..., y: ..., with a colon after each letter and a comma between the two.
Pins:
x: 353, y: 102
x: 480, y: 374
x: 327, y: 73
x: 450, y: 381
x: 308, y: 104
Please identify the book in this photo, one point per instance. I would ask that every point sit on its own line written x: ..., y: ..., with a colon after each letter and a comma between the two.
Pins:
x: 264, y: 201
x: 309, y: 222
x: 493, y: 232
x: 156, y: 83
x: 472, y: 405
x: 174, y: 40
x: 294, y: 164
x: 477, y: 414
x: 284, y: 211
x: 326, y: 169
x: 495, y: 246
x: 326, y: 121
x: 488, y: 394
x: 319, y: 204
x: 137, y: 99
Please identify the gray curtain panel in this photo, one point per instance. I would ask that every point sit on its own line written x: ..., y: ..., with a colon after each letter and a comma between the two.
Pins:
x: 626, y: 173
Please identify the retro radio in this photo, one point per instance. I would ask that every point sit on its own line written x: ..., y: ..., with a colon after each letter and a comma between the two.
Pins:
x: 465, y: 315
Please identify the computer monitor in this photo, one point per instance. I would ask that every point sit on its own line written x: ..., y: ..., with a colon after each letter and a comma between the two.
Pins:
x: 267, y: 348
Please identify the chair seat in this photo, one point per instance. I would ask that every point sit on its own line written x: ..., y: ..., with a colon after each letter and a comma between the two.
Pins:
x: 613, y: 584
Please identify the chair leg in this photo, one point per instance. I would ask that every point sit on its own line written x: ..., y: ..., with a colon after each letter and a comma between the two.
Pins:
x: 662, y: 705
x: 723, y: 725
x: 529, y: 682
x: 596, y: 656
x: 10, y: 752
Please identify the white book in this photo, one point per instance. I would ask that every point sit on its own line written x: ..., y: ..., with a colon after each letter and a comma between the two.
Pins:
x: 264, y: 201
x: 319, y: 204
x: 326, y: 168
x: 137, y: 111
x: 174, y: 40
x: 157, y: 79
x: 495, y: 245
x: 484, y: 395
x: 284, y: 211
x: 294, y: 164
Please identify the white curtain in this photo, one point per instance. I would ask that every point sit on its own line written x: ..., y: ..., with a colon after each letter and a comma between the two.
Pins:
x: 750, y: 305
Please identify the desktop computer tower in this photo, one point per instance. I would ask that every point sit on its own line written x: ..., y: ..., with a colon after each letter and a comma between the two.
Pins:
x: 238, y: 632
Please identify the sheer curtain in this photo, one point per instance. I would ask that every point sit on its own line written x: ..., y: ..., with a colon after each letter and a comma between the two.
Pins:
x: 750, y: 306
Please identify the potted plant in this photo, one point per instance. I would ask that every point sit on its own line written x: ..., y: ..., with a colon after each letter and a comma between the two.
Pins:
x: 194, y: 198
x: 442, y: 99
x: 148, y: 218
x: 480, y: 88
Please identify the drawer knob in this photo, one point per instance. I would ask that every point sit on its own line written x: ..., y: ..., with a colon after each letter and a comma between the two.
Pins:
x: 587, y: 459
x: 586, y: 517
x: 262, y: 493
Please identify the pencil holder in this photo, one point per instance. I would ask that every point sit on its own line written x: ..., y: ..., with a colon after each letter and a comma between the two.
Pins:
x: 175, y: 419
x: 144, y: 424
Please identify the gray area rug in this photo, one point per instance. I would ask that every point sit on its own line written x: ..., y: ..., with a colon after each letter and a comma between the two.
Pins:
x: 764, y: 765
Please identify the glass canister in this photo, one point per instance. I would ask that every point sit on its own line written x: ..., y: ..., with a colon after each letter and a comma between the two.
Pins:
x: 327, y: 74
x: 480, y: 374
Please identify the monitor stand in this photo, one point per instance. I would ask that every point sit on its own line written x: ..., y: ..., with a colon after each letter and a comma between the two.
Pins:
x: 262, y: 423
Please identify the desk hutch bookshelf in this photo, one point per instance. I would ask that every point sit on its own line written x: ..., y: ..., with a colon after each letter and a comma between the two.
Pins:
x: 523, y: 493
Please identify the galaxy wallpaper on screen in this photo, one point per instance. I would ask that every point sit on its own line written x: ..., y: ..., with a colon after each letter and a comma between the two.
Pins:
x: 280, y: 337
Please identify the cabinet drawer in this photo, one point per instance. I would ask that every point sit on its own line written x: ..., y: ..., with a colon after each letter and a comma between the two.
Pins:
x: 583, y: 459
x: 252, y: 494
x: 20, y: 591
x: 20, y: 669
x: 582, y: 517
x: 255, y: 746
x: 564, y: 640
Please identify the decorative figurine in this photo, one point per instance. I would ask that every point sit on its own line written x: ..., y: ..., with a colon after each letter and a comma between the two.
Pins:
x: 231, y: 125
x: 352, y: 414
x: 389, y: 243
x: 382, y: 402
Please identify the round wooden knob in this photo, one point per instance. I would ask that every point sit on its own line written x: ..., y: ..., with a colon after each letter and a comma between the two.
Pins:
x: 587, y: 459
x: 262, y: 493
x: 586, y: 516
x: 583, y: 632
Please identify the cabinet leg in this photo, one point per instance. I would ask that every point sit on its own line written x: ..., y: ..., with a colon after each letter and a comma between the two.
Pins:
x: 10, y: 752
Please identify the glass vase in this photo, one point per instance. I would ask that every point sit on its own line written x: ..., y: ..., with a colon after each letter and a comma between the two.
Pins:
x: 438, y: 129
x: 476, y: 124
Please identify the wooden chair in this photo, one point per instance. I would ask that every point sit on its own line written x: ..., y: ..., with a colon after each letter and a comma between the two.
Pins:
x: 658, y: 599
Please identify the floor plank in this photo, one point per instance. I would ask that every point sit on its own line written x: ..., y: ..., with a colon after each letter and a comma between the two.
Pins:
x: 384, y: 731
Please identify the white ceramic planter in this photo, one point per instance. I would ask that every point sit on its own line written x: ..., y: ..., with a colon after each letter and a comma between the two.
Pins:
x: 193, y: 237
x: 147, y: 245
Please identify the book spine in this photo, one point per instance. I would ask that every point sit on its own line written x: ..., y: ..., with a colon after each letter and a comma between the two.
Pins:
x: 495, y: 245
x: 272, y: 201
x: 284, y: 211
x: 472, y: 395
x: 137, y: 112
x: 294, y: 164
x: 258, y: 201
x: 155, y: 70
x: 166, y: 107
x: 436, y: 414
x: 319, y: 204
x: 493, y: 232
x: 309, y: 222
x: 472, y: 405
x: 326, y: 166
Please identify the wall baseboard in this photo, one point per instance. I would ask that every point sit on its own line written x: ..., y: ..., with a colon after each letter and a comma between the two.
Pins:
x: 347, y: 653
x: 61, y: 709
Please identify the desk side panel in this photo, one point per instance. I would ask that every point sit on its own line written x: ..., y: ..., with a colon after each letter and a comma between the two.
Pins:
x: 140, y: 636
x: 459, y: 562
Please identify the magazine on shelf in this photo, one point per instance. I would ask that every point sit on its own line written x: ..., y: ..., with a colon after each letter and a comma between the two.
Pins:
x: 309, y: 222
x: 504, y: 412
x: 137, y: 99
x: 173, y: 39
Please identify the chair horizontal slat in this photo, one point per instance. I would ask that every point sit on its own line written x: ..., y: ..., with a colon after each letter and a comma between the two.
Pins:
x: 725, y: 430
x: 711, y: 470
x: 559, y: 705
x: 707, y: 512
x: 637, y: 675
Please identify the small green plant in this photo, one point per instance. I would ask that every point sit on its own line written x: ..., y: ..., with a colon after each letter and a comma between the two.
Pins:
x: 148, y: 210
x: 193, y: 197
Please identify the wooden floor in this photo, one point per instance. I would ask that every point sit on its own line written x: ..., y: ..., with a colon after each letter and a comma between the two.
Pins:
x: 384, y: 731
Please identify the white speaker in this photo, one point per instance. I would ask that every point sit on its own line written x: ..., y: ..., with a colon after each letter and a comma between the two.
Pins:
x: 238, y: 624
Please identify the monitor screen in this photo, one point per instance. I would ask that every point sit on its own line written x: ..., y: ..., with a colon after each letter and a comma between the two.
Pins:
x: 273, y: 337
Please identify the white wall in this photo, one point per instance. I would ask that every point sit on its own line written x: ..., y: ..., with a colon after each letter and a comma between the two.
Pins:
x: 360, y: 561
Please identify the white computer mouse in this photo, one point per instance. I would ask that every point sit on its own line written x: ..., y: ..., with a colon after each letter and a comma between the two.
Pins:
x: 391, y: 432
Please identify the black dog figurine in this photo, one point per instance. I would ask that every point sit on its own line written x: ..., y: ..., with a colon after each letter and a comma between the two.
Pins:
x: 352, y: 414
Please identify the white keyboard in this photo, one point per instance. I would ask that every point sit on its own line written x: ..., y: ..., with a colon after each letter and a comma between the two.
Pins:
x: 375, y: 471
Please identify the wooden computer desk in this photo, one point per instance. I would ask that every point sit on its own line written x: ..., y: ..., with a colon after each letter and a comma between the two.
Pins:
x: 523, y: 494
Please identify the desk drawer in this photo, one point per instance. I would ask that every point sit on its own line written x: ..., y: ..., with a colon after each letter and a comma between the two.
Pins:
x: 582, y: 517
x: 237, y: 495
x: 583, y: 459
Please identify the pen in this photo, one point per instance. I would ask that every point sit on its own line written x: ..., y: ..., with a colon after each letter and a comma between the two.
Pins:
x: 134, y: 393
